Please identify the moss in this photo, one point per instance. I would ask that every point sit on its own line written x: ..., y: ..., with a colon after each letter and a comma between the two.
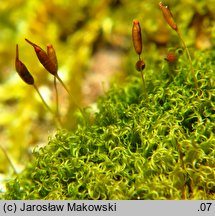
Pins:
x: 162, y: 148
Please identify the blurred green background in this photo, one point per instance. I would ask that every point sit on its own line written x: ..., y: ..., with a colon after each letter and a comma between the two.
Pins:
x: 94, y: 48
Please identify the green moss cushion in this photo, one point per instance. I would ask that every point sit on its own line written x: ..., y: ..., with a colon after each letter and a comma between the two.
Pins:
x: 162, y: 147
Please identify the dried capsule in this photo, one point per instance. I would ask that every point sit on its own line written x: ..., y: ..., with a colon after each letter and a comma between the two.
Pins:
x: 22, y: 70
x: 171, y: 57
x: 168, y: 16
x: 140, y: 65
x: 52, y: 56
x: 44, y: 58
x: 137, y: 37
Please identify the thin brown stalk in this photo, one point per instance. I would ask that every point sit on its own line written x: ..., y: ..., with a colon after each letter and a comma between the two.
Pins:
x: 8, y: 158
x: 73, y: 100
x: 189, y: 58
x: 57, y: 119
x: 144, y: 85
x: 57, y: 98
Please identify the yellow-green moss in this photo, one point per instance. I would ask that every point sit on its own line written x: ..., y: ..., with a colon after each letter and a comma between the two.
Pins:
x: 162, y: 148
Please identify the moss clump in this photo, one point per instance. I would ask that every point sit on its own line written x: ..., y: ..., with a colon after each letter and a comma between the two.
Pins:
x: 162, y: 148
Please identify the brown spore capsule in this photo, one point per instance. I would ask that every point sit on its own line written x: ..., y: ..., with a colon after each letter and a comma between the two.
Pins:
x: 140, y: 65
x: 168, y: 16
x: 22, y: 70
x: 44, y: 58
x: 171, y: 57
x: 137, y: 37
x: 52, y: 56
